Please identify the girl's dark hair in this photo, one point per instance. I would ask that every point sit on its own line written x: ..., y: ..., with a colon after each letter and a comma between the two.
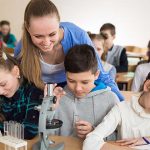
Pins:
x: 148, y: 52
x: 148, y: 45
x: 147, y: 78
x: 7, y: 62
x: 81, y: 58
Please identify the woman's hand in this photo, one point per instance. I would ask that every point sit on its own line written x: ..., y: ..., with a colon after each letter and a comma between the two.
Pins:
x: 131, y: 142
x: 58, y: 92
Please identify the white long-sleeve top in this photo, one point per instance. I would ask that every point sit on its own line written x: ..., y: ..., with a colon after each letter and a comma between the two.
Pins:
x: 128, y: 117
x: 140, y: 76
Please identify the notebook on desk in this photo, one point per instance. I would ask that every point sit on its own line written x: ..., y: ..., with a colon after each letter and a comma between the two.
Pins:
x: 129, y: 75
x: 142, y: 147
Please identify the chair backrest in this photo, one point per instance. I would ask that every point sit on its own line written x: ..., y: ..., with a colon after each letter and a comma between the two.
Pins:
x: 135, y: 49
x: 9, y: 50
x: 135, y: 54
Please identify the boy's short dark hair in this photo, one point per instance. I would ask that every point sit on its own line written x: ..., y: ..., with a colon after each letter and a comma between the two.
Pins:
x: 4, y: 22
x: 81, y: 58
x: 108, y: 26
x: 148, y: 76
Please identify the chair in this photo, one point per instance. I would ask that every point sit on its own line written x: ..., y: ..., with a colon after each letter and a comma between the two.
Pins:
x: 9, y: 50
x: 135, y: 55
x: 136, y: 52
x: 135, y: 49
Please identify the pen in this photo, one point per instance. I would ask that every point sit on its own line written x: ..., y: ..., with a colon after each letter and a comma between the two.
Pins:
x: 147, y: 142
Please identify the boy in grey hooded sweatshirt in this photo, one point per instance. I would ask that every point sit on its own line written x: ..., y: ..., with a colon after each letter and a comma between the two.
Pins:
x: 86, y: 102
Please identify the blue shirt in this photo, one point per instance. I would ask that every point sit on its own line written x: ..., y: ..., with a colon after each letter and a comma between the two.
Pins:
x: 17, y: 48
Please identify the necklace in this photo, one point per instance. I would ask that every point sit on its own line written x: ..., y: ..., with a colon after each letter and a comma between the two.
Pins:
x: 41, y: 56
x: 49, y: 58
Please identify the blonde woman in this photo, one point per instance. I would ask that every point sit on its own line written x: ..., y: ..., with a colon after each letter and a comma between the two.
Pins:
x: 46, y: 41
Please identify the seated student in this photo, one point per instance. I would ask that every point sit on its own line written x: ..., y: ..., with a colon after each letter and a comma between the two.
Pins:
x: 86, y: 102
x: 141, y: 72
x: 18, y: 97
x: 132, y: 120
x: 139, y: 77
x: 115, y: 54
x: 98, y: 41
x: 9, y: 40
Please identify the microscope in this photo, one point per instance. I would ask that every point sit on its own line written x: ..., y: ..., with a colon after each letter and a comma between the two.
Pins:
x: 47, y: 125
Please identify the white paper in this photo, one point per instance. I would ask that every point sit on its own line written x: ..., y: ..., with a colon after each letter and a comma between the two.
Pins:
x: 142, y: 147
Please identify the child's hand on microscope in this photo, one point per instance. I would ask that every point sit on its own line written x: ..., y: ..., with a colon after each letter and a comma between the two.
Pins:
x: 58, y: 92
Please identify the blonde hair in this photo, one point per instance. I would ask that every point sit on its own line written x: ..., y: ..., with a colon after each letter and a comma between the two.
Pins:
x: 30, y: 61
x: 99, y: 37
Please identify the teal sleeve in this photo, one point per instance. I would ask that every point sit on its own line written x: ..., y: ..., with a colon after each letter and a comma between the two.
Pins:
x: 11, y: 43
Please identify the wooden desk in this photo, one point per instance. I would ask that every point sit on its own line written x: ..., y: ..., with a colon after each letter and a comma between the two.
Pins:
x: 71, y: 143
x: 129, y: 94
x: 125, y: 78
x: 136, y: 55
x: 132, y: 67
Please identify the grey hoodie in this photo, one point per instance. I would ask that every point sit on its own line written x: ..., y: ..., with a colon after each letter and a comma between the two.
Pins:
x: 92, y: 108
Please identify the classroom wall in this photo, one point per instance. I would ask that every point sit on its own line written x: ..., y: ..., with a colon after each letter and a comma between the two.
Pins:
x: 131, y: 17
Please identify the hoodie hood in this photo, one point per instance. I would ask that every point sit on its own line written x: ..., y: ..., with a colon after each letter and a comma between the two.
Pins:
x: 100, y: 88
